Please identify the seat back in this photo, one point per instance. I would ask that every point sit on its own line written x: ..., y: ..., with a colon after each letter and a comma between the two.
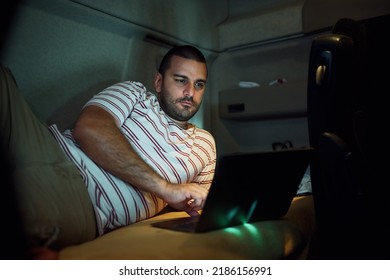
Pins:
x: 347, y: 119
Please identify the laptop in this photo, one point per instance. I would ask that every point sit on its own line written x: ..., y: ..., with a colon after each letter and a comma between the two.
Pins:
x: 248, y: 188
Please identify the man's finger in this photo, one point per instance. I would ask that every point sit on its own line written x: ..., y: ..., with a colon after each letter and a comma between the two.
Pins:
x: 191, y: 211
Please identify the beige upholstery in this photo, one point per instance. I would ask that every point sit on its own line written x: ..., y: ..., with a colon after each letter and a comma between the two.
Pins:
x: 288, y: 237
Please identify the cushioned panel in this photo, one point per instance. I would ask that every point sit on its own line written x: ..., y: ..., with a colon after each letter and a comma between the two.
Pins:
x: 288, y: 237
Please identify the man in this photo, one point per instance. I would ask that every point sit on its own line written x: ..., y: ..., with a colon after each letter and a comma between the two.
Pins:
x: 136, y: 153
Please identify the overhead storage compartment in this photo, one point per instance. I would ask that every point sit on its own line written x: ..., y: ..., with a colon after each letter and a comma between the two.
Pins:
x: 318, y: 14
x: 281, y: 19
x: 250, y: 22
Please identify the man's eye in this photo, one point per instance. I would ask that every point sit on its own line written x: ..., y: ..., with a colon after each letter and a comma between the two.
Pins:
x: 181, y: 81
x: 199, y: 85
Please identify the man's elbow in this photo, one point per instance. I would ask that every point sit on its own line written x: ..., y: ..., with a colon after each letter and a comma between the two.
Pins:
x: 82, y: 130
x: 91, y: 123
x: 86, y: 125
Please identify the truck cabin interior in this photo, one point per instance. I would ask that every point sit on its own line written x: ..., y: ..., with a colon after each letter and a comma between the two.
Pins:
x: 282, y: 74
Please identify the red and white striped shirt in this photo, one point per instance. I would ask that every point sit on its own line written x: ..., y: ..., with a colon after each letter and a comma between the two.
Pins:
x: 176, y: 154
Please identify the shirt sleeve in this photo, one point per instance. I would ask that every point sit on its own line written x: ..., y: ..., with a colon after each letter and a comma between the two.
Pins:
x: 206, y: 175
x: 119, y: 99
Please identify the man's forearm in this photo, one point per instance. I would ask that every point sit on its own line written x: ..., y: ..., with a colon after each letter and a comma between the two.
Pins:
x: 100, y: 138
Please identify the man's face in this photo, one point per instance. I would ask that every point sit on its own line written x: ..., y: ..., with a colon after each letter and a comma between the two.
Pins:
x: 180, y: 90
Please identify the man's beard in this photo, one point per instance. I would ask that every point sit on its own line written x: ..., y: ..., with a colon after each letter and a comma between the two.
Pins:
x: 181, y: 114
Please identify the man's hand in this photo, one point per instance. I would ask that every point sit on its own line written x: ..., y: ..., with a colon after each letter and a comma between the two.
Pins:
x: 188, y: 197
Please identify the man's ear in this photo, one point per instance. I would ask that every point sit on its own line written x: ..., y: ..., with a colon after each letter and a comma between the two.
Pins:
x: 158, y: 82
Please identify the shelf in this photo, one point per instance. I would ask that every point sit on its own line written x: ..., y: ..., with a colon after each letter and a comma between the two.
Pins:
x: 264, y: 102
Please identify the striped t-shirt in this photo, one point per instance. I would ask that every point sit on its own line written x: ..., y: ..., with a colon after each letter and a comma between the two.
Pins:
x: 176, y: 154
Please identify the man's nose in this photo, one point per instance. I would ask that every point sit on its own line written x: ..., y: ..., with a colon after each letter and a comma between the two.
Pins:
x: 189, y: 90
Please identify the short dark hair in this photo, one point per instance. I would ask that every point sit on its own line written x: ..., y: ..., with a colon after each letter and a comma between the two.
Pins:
x: 186, y: 51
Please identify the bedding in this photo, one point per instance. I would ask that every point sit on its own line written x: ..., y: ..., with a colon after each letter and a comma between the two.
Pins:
x: 286, y: 238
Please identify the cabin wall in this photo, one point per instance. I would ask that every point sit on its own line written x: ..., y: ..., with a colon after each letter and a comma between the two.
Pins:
x: 63, y: 52
x: 57, y: 60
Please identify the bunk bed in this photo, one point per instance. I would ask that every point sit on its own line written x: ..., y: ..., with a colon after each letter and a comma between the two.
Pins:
x: 289, y: 237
